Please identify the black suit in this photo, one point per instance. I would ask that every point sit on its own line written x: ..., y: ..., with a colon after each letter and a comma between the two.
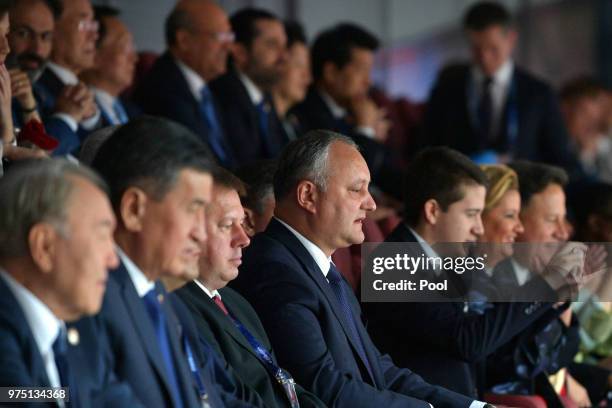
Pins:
x: 241, y: 119
x: 441, y: 340
x: 165, y: 92
x: 540, y: 134
x: 311, y: 337
x: 229, y: 342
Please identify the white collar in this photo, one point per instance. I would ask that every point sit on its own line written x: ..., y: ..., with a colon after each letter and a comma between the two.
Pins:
x: 337, y: 111
x: 64, y: 74
x: 521, y: 273
x: 205, y: 289
x: 142, y: 284
x: 322, y: 261
x: 502, y: 77
x: 45, y: 326
x: 194, y: 81
x: 104, y: 97
x: 255, y: 94
x: 429, y: 251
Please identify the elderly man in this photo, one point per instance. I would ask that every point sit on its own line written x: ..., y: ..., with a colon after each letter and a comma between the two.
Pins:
x: 160, y: 182
x: 307, y: 308
x: 198, y: 35
x: 56, y: 244
x: 60, y: 93
x: 225, y: 317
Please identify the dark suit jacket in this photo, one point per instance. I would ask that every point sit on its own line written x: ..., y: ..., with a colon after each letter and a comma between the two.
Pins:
x: 136, y: 356
x: 313, y: 113
x: 440, y: 340
x: 22, y: 365
x: 541, y: 134
x: 132, y: 111
x: 230, y: 343
x: 165, y: 92
x: 242, y: 121
x: 303, y: 320
x: 46, y: 90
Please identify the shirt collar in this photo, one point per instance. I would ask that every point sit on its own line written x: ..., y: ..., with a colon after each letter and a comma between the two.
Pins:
x: 205, y: 289
x: 322, y: 261
x: 501, y: 77
x: 142, y: 284
x: 45, y: 326
x: 429, y: 251
x: 255, y: 94
x: 521, y: 273
x: 64, y: 74
x: 337, y: 111
x: 194, y: 81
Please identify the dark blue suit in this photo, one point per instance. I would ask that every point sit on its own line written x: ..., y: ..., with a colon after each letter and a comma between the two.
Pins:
x: 22, y: 365
x: 136, y: 355
x: 165, y: 92
x: 302, y: 318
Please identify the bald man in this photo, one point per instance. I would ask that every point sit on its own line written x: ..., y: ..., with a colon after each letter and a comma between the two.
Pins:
x: 198, y: 36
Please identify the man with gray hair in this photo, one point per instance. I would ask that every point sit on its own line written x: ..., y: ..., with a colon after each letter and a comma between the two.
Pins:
x: 56, y: 245
x: 307, y: 308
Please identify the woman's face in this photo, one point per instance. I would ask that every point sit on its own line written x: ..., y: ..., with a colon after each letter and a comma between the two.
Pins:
x: 502, y: 223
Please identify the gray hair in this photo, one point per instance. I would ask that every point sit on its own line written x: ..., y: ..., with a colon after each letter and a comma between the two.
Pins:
x: 306, y: 158
x: 33, y: 192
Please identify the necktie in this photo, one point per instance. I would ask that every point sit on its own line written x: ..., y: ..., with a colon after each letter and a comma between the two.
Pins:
x: 154, y: 307
x: 339, y: 288
x: 120, y: 112
x: 60, y: 352
x: 219, y: 302
x: 215, y: 134
x: 263, y: 116
x: 485, y: 111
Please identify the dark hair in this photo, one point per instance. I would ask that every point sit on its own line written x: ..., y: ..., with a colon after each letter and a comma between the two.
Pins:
x: 100, y: 13
x: 244, y: 21
x: 259, y: 180
x: 438, y: 173
x: 295, y: 33
x: 581, y: 87
x: 178, y: 19
x: 335, y: 45
x: 149, y: 152
x: 588, y: 199
x: 226, y: 179
x: 535, y: 177
x: 305, y: 158
x: 55, y: 6
x: 5, y: 6
x: 485, y: 14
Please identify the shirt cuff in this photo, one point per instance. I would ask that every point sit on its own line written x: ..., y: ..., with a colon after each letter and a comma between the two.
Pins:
x: 477, y: 404
x: 69, y: 120
x: 90, y: 123
x: 367, y: 131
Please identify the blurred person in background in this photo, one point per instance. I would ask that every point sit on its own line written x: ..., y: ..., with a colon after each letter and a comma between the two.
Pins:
x: 258, y: 198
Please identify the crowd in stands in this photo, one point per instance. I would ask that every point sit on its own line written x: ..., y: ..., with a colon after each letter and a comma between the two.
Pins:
x: 186, y: 229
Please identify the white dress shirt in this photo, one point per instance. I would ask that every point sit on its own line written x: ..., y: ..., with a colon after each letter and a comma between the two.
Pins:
x: 142, y: 284
x: 255, y: 94
x: 194, y: 81
x: 210, y: 294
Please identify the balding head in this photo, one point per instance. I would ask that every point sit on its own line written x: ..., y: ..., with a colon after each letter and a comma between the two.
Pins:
x: 198, y: 33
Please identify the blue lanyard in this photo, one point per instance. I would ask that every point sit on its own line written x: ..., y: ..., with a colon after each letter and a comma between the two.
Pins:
x: 194, y: 369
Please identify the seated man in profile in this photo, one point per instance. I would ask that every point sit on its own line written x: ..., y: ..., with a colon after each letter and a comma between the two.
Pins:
x: 56, y: 245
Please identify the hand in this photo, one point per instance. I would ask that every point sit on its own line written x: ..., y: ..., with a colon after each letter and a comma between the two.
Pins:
x: 76, y: 101
x: 21, y: 153
x: 21, y: 87
x: 6, y: 115
x: 577, y: 392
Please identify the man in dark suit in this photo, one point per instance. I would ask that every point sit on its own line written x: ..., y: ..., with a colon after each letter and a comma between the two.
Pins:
x: 308, y: 310
x: 252, y: 125
x: 492, y: 110
x: 198, y: 35
x: 61, y: 96
x: 56, y: 247
x: 159, y: 177
x: 225, y: 318
x: 443, y: 203
x: 113, y: 70
x: 342, y: 58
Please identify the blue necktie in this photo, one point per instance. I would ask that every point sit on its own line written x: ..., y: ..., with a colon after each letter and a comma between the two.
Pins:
x: 339, y: 287
x: 154, y: 307
x: 485, y: 111
x: 263, y: 116
x: 120, y: 112
x: 60, y: 350
x: 215, y: 135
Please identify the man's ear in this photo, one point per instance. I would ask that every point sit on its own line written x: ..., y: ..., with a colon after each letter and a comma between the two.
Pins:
x: 42, y: 241
x: 240, y: 54
x: 307, y: 195
x: 181, y: 40
x: 431, y: 211
x: 249, y: 222
x: 132, y: 208
x: 329, y: 73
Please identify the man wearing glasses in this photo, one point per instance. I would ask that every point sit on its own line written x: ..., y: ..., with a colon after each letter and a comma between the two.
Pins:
x: 198, y: 36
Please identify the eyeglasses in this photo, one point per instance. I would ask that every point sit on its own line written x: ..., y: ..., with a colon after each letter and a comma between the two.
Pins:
x: 28, y: 34
x: 220, y: 36
x: 88, y: 25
